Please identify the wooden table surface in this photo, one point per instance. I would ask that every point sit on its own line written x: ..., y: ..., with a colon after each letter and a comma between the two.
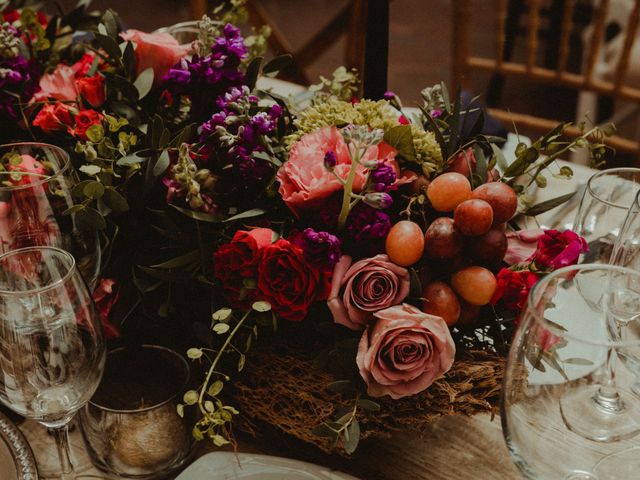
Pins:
x: 456, y: 447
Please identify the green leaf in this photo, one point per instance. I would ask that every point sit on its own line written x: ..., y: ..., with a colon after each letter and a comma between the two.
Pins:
x: 200, y: 216
x: 251, y: 75
x: 129, y: 58
x: 531, y: 154
x: 194, y: 353
x: 481, y: 163
x: 401, y: 138
x: 221, y: 315
x: 261, y: 306
x: 221, y: 328
x: 190, y: 397
x: 499, y: 156
x: 341, y: 386
x: 108, y: 44
x: 324, y: 431
x: 91, y: 170
x: 111, y: 24
x: 273, y: 67
x: 93, y: 190
x: 352, y: 437
x: 180, y: 261
x: 128, y: 90
x: 144, y: 82
x: 215, y: 388
x: 131, y: 160
x: 548, y: 205
x: 517, y: 167
x: 73, y: 209
x: 162, y: 164
x: 368, y: 405
x: 578, y: 361
x: 241, y: 362
x: 89, y: 219
x: 254, y: 212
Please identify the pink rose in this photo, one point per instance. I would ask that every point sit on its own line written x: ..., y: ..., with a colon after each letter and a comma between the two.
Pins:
x: 60, y: 85
x: 359, y: 290
x: 404, y: 352
x: 304, y: 180
x: 559, y: 249
x: 159, y: 51
x: 521, y: 245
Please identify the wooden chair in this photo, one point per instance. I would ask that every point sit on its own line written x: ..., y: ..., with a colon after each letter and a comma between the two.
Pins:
x: 350, y: 21
x: 465, y: 62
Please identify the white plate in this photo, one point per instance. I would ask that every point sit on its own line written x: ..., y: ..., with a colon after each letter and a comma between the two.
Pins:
x: 251, y: 466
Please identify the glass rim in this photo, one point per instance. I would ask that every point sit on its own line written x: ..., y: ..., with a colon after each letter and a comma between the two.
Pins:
x: 531, y: 309
x: 65, y: 166
x: 159, y: 404
x: 610, y: 171
x: 63, y: 279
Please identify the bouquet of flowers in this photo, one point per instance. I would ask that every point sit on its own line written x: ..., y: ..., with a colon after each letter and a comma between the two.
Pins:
x: 368, y: 233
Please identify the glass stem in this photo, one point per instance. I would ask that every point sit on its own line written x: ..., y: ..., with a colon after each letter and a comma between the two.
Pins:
x: 607, y: 398
x: 61, y: 436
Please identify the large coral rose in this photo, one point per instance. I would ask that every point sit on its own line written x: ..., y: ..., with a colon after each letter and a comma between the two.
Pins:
x: 305, y: 182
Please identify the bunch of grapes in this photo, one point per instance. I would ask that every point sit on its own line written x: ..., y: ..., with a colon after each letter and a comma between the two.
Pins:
x: 460, y: 247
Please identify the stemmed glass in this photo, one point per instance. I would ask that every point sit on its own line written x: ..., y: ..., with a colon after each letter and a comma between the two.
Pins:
x: 603, y: 208
x: 37, y: 183
x: 567, y: 412
x: 52, y: 351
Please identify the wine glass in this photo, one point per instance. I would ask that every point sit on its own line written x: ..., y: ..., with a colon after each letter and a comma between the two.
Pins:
x: 52, y: 351
x: 603, y: 208
x: 36, y: 187
x: 567, y: 412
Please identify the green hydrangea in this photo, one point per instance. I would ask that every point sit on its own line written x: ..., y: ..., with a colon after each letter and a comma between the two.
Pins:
x: 428, y: 153
x: 375, y: 114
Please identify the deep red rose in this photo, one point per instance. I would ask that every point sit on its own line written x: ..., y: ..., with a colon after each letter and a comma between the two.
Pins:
x: 237, y: 261
x: 81, y: 67
x: 11, y: 16
x: 53, y: 118
x: 558, y: 249
x: 513, y: 288
x: 288, y: 282
x: 92, y: 89
x: 84, y: 120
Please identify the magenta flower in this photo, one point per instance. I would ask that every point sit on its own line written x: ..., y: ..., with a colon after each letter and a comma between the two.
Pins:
x: 558, y: 249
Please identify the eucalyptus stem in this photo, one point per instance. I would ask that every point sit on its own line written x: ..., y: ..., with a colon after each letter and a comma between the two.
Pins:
x: 216, y: 360
x: 348, y: 189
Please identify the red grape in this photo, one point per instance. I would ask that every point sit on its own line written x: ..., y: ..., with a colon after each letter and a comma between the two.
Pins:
x: 473, y: 217
x: 501, y: 197
x: 448, y: 190
x: 440, y: 300
x: 405, y: 243
x: 442, y: 240
x: 487, y: 249
x: 476, y: 285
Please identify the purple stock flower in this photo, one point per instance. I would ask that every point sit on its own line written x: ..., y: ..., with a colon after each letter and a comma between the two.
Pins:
x: 330, y: 160
x: 383, y: 177
x: 379, y: 200
x: 321, y: 249
x: 19, y: 77
x: 389, y: 95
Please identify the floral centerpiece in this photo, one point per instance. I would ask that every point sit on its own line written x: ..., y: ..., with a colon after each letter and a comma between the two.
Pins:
x: 234, y: 218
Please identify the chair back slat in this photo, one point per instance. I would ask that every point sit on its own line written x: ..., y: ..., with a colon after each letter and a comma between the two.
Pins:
x: 565, y: 35
x: 596, y: 40
x: 534, y: 29
x: 461, y: 41
x: 623, y: 63
x: 503, y: 6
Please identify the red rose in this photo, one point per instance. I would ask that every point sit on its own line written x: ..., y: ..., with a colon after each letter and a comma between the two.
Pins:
x: 513, y: 288
x: 53, y: 117
x: 237, y: 261
x: 81, y: 67
x: 288, y: 282
x: 92, y: 89
x: 558, y: 249
x: 84, y: 120
x: 11, y: 16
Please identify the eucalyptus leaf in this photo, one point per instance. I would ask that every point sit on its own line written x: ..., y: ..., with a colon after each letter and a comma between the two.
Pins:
x: 221, y: 328
x: 93, y: 190
x: 200, y: 216
x: 111, y: 23
x: 215, y: 388
x: 254, y: 212
x: 578, y: 361
x: 90, y: 170
x: 341, y: 386
x: 131, y: 159
x: 144, y: 82
x: 548, y: 205
x: 89, y: 219
x: 180, y: 261
x: 352, y: 437
x: 73, y: 209
x: 162, y: 164
x: 368, y: 405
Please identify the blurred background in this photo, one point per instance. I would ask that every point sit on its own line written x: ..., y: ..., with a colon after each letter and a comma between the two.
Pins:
x: 422, y: 36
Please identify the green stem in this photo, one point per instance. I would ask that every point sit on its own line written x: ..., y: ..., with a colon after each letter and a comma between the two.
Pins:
x: 216, y: 360
x: 348, y: 188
